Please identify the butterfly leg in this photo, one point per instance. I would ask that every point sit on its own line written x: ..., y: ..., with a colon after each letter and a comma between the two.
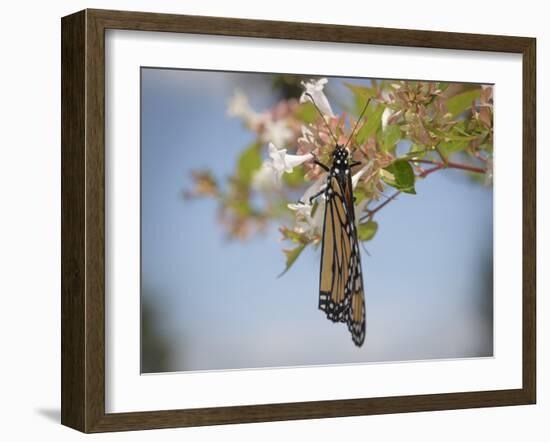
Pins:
x: 355, y: 163
x: 315, y: 196
x: 312, y: 198
x: 321, y: 165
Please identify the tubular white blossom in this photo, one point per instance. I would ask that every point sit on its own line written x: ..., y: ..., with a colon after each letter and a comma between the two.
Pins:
x: 305, y: 223
x: 303, y: 216
x: 386, y: 115
x: 238, y: 106
x: 315, y: 89
x: 314, y: 188
x: 307, y: 135
x: 277, y: 132
x: 301, y: 209
x: 355, y: 178
x: 283, y: 162
x: 265, y: 179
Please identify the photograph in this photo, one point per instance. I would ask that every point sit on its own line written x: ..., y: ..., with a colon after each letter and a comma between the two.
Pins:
x: 296, y: 220
x: 268, y: 220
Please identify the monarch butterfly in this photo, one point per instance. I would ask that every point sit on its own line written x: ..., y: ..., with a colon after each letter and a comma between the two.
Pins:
x: 341, y: 293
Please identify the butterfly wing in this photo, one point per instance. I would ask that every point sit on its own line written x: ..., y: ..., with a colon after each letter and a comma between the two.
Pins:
x: 355, y: 315
x: 341, y: 294
x: 334, y: 278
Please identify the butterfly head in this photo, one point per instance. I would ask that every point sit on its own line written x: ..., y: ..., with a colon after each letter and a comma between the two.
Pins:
x: 340, y: 155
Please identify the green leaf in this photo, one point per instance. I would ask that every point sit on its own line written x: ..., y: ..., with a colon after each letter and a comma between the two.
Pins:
x: 460, y: 102
x: 366, y: 231
x: 449, y: 147
x: 292, y: 235
x: 291, y: 257
x: 402, y: 176
x: 391, y: 136
x: 249, y: 162
x: 307, y: 113
x: 360, y: 195
x: 415, y: 151
x: 373, y: 121
x: 461, y: 129
x: 455, y: 134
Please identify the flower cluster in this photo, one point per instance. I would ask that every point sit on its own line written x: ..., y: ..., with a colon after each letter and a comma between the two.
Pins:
x: 399, y: 131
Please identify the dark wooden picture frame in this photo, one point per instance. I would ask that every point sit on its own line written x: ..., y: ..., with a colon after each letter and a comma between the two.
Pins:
x: 83, y: 219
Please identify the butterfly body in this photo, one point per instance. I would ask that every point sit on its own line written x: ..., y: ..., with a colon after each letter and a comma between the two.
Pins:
x: 341, y: 294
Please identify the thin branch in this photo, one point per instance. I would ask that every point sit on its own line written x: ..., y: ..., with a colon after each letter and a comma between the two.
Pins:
x: 437, y: 166
x: 452, y: 165
x: 426, y: 172
x: 370, y: 213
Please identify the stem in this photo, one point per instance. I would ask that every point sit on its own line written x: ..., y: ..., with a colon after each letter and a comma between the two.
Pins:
x: 437, y: 166
x: 428, y: 171
x: 452, y: 165
x: 424, y: 174
x: 371, y: 213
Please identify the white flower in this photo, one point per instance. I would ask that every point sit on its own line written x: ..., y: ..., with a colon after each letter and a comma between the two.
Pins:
x: 301, y: 209
x: 386, y: 97
x: 386, y: 115
x: 355, y: 178
x: 303, y: 217
x: 283, y: 162
x: 268, y: 177
x: 265, y: 179
x: 305, y: 223
x: 314, y: 89
x: 314, y: 188
x: 307, y: 135
x: 238, y: 106
x: 277, y: 132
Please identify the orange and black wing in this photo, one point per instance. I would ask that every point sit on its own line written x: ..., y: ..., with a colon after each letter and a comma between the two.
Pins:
x: 355, y: 315
x: 340, y: 284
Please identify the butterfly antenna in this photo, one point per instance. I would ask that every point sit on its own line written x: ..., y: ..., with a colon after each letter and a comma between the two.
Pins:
x: 357, y: 122
x: 322, y: 116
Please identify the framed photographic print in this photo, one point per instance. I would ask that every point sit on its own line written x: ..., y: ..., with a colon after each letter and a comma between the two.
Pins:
x: 269, y: 220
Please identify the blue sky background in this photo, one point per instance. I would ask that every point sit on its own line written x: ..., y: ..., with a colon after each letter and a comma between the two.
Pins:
x: 211, y: 303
